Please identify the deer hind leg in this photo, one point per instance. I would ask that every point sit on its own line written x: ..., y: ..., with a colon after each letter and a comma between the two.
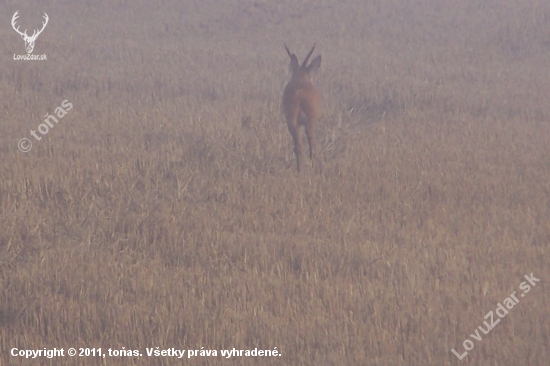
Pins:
x: 310, y: 132
x: 296, y: 132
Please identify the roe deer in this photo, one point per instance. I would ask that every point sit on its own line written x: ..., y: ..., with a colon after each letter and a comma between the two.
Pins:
x: 302, y: 103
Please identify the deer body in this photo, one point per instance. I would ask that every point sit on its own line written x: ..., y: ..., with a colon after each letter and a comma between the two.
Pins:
x: 302, y: 103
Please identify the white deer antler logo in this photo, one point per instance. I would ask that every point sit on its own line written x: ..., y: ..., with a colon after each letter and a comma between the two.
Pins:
x: 29, y: 41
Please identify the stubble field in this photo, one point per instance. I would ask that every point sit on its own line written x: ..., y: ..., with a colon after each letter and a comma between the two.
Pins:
x: 165, y: 210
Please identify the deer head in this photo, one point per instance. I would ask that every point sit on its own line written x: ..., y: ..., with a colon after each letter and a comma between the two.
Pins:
x: 303, y: 70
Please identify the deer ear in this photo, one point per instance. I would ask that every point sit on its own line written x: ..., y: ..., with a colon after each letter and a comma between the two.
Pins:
x: 294, y: 64
x: 315, y: 64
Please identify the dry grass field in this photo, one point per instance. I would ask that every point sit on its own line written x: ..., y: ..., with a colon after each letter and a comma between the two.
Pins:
x: 165, y: 210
